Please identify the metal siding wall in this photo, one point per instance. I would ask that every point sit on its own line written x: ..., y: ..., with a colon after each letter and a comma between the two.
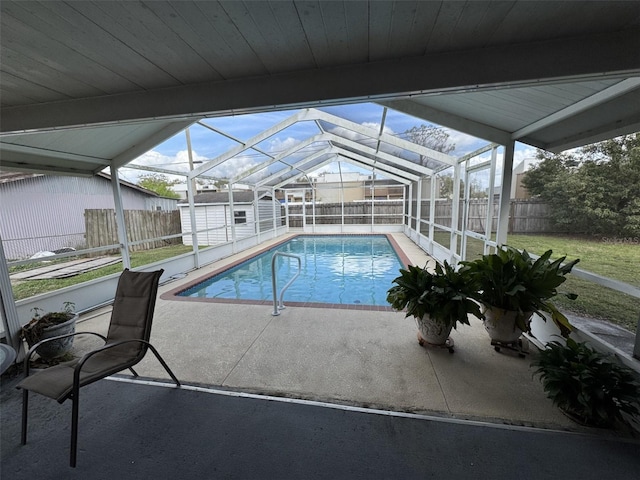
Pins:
x: 47, y: 212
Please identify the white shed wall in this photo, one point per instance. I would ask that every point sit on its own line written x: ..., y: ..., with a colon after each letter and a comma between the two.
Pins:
x: 218, y: 217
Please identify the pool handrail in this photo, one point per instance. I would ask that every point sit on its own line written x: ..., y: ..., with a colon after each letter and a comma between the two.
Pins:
x: 276, y: 307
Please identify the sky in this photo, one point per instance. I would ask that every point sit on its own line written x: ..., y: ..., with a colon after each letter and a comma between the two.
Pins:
x: 207, y: 144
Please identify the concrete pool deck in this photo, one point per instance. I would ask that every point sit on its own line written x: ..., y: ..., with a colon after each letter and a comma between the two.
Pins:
x: 353, y: 357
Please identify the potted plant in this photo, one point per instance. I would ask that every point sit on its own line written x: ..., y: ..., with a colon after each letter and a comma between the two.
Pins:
x: 438, y: 300
x: 512, y: 286
x: 587, y: 385
x: 48, y: 325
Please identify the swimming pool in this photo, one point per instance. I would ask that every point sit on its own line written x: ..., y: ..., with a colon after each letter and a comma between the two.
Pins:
x: 346, y: 270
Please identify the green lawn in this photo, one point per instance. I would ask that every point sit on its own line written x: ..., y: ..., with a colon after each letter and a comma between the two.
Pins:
x: 29, y: 288
x: 617, y: 261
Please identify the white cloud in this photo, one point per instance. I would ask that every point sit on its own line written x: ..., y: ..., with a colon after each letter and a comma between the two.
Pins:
x: 278, y: 145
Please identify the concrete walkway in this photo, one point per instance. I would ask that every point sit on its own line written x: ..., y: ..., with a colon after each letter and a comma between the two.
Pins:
x: 363, y: 358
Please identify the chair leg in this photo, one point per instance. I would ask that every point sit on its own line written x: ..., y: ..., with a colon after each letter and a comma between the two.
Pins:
x: 164, y: 364
x: 25, y: 411
x: 74, y: 430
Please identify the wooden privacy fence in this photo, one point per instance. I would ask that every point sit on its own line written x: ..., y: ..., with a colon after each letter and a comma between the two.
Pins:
x: 355, y: 213
x: 101, y: 229
x: 525, y: 216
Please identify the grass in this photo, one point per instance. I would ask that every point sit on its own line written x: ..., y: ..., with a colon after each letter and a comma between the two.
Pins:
x: 616, y: 261
x: 29, y: 288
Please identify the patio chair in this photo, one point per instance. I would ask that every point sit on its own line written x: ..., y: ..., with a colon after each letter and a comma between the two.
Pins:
x: 125, y: 345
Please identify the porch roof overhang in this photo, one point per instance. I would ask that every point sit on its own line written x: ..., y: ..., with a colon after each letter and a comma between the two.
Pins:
x: 90, y: 85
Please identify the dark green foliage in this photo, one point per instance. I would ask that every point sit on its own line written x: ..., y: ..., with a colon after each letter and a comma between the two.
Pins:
x: 444, y: 295
x: 586, y: 383
x: 596, y: 191
x: 513, y: 280
x: 159, y: 183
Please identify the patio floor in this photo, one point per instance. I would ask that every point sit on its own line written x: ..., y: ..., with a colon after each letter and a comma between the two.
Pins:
x: 274, y: 376
x: 356, y: 357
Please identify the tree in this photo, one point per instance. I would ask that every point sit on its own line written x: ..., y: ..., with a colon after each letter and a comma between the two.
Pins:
x: 430, y: 136
x: 595, y: 191
x: 159, y: 184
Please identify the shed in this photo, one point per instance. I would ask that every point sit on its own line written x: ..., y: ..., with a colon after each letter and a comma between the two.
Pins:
x: 215, y: 220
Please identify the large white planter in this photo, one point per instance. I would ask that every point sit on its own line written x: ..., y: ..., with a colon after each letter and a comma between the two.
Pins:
x: 432, y: 332
x: 57, y: 348
x: 501, y: 325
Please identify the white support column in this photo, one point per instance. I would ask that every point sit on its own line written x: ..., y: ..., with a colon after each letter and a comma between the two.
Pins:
x: 286, y: 209
x: 121, y: 224
x: 10, y: 319
x: 505, y: 193
x: 373, y: 195
x: 304, y: 210
x: 419, y: 207
x: 313, y: 207
x: 232, y: 219
x: 274, y: 212
x: 492, y: 178
x: 432, y: 212
x: 256, y: 215
x: 194, y: 226
x: 455, y: 213
x: 410, y: 207
x: 465, y: 210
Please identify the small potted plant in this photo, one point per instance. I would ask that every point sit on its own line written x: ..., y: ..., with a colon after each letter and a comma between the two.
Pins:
x: 48, y: 325
x: 587, y: 385
x: 512, y: 286
x: 438, y: 300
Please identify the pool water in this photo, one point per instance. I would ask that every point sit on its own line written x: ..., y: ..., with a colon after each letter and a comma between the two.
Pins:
x: 347, y: 270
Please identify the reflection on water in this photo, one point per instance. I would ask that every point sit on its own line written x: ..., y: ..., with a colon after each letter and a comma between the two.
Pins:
x: 335, y: 269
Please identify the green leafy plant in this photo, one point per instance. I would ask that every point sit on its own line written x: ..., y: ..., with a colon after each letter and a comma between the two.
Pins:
x: 587, y: 384
x: 444, y: 295
x: 511, y: 279
x: 32, y: 331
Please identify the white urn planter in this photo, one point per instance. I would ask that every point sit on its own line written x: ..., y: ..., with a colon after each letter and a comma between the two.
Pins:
x: 57, y: 348
x: 501, y: 324
x: 434, y: 333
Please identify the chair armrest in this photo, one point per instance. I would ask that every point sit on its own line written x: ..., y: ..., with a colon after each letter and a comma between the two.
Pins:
x: 87, y: 356
x: 27, y: 358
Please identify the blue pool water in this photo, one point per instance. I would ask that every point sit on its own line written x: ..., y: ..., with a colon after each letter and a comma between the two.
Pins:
x: 348, y: 270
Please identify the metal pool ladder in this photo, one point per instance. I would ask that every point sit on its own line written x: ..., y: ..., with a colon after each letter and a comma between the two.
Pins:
x: 276, y: 307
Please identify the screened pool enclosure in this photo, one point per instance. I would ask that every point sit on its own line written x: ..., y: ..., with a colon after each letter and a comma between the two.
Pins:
x: 324, y: 173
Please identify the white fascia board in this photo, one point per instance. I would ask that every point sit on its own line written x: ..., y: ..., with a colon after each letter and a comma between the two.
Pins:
x: 605, y: 132
x: 157, y: 138
x: 594, y: 100
x: 6, y: 149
